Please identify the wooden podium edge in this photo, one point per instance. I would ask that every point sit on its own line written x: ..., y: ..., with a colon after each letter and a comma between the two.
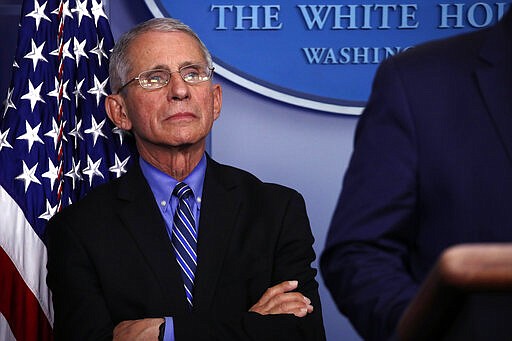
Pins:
x: 460, y: 270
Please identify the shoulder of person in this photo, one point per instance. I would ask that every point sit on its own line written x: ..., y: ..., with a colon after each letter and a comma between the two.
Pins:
x: 250, y: 181
x: 444, y: 51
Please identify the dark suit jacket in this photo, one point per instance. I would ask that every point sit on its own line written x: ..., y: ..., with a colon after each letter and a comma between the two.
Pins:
x: 431, y: 167
x: 110, y: 259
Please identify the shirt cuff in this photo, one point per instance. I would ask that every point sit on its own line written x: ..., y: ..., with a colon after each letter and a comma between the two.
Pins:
x: 169, y: 329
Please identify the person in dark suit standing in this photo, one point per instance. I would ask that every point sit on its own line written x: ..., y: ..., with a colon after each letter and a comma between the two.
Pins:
x: 431, y: 168
x: 129, y: 261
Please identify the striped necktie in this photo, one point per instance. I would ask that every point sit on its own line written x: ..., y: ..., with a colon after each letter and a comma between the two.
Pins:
x: 184, y: 238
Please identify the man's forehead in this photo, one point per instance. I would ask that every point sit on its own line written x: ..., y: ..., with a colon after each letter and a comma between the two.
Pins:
x: 149, y: 36
x: 175, y: 41
x: 180, y: 47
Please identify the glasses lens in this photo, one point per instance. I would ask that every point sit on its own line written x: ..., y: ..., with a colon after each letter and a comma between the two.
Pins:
x: 154, y: 79
x: 195, y: 73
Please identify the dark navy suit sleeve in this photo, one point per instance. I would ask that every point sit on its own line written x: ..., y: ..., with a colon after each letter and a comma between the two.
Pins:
x: 365, y: 260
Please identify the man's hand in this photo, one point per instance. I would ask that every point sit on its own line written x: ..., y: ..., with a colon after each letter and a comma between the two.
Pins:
x: 279, y: 300
x: 138, y: 330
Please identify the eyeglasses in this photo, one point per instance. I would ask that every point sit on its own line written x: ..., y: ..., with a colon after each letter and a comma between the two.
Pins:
x: 158, y: 78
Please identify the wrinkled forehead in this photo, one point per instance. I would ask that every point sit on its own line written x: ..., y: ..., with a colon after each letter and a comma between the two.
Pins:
x: 173, y: 48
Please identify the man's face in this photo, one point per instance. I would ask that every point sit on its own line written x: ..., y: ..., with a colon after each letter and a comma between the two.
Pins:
x: 179, y: 114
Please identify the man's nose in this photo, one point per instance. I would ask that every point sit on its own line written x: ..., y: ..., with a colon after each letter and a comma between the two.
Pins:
x: 178, y: 89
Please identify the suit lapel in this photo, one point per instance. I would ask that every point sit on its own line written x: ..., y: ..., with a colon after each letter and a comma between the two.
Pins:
x: 218, y: 213
x: 143, y: 221
x: 495, y: 81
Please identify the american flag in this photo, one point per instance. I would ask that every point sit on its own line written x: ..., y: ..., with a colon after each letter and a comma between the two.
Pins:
x: 56, y: 143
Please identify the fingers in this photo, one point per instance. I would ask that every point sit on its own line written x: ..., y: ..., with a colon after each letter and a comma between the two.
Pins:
x: 280, y: 288
x: 279, y: 300
x: 297, y: 305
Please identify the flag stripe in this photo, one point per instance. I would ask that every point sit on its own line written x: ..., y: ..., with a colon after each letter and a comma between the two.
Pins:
x: 5, y: 330
x: 22, y: 245
x: 27, y: 311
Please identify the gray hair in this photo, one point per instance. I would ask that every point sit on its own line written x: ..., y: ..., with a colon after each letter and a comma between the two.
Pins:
x: 119, y: 62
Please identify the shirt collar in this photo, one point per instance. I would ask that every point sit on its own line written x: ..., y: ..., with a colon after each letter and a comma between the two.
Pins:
x: 162, y: 184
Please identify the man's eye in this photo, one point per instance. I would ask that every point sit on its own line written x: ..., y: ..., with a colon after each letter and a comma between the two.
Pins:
x: 156, y: 78
x: 190, y: 74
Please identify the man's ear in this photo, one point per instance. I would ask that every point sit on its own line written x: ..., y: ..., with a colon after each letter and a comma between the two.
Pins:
x: 114, y: 105
x: 217, y: 100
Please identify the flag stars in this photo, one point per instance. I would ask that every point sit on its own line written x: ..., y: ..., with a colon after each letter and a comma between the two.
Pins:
x: 95, y: 130
x: 36, y: 54
x: 92, y: 169
x: 79, y: 50
x: 55, y: 132
x: 38, y: 13
x: 81, y: 9
x: 52, y: 173
x: 121, y: 133
x: 3, y: 139
x: 50, y: 211
x: 28, y: 175
x: 8, y: 103
x: 76, y: 132
x: 97, y: 11
x: 78, y: 91
x: 65, y: 51
x: 98, y: 50
x: 31, y: 135
x: 119, y: 168
x: 59, y: 83
x: 65, y: 10
x: 55, y: 92
x: 33, y: 94
x: 98, y: 89
x: 74, y: 173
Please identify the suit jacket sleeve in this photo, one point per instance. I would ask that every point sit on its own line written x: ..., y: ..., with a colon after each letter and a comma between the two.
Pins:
x: 365, y: 262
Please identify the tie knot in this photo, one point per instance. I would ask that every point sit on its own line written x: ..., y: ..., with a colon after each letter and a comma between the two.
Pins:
x: 182, y: 190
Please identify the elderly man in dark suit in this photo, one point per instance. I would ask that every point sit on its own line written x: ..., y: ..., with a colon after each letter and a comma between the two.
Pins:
x: 180, y: 247
x: 431, y: 167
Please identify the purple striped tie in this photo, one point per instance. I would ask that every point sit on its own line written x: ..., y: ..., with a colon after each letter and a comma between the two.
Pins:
x: 184, y: 238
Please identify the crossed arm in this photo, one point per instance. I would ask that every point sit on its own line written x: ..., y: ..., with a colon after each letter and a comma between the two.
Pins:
x: 279, y: 299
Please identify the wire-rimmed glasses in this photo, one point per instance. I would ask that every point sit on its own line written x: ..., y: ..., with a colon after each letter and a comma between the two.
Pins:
x: 158, y: 78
